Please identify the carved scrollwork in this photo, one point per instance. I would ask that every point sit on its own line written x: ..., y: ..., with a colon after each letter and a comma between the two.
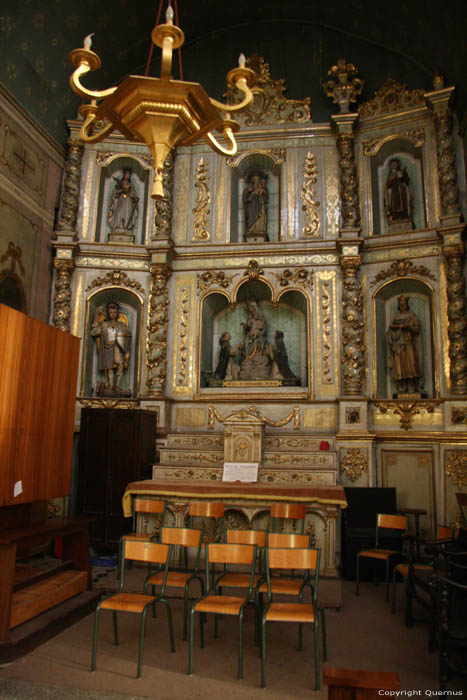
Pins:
x: 269, y: 105
x: 295, y: 276
x: 456, y: 468
x: 353, y: 464
x: 253, y: 412
x: 401, y: 268
x: 310, y: 205
x: 253, y: 270
x: 392, y: 97
x: 371, y: 148
x: 407, y: 409
x: 203, y: 199
x: 459, y: 415
x: 115, y: 278
x: 109, y: 403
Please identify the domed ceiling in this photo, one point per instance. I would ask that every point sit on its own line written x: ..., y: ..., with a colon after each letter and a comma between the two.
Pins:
x: 300, y: 40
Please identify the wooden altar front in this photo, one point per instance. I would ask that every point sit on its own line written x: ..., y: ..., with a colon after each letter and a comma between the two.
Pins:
x: 247, y: 505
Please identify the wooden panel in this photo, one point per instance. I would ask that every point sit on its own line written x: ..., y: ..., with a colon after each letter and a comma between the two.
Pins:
x: 39, y: 390
x: 35, y: 599
x: 12, y: 339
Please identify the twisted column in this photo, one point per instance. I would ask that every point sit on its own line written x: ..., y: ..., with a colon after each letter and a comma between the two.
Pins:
x: 350, y: 202
x: 71, y: 187
x: 164, y: 206
x: 353, y: 349
x: 62, y: 296
x: 156, y: 338
x: 457, y: 318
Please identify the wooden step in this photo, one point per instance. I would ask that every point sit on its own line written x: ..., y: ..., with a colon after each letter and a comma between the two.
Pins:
x: 38, y: 597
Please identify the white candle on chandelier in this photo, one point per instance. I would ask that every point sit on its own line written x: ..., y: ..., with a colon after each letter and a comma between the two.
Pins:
x: 241, y: 60
x: 169, y: 15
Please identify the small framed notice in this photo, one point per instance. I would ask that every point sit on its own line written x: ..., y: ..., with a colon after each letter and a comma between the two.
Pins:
x: 240, y: 471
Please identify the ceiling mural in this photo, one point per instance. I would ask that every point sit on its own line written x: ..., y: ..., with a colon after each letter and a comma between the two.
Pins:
x: 300, y: 41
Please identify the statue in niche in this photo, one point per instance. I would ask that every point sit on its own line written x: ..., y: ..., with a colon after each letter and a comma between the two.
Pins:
x: 281, y: 359
x: 123, y: 210
x: 255, y: 206
x: 398, y: 195
x: 226, y: 368
x: 404, y: 345
x: 110, y: 330
x: 256, y: 352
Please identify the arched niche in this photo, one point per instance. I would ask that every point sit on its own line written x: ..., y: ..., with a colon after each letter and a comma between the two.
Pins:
x: 420, y: 303
x: 219, y: 315
x: 409, y: 158
x: 140, y: 178
x: 244, y: 169
x: 131, y: 313
x: 12, y: 292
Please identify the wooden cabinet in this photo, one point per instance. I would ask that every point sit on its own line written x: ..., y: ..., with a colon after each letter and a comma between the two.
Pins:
x: 116, y: 446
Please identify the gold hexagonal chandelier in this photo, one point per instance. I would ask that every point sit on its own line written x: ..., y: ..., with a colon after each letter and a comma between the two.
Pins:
x: 160, y: 112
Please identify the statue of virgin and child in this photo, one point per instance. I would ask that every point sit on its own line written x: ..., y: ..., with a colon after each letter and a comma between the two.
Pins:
x: 254, y: 358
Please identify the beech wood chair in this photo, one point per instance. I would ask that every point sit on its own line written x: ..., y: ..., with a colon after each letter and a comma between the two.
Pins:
x: 211, y: 514
x: 179, y: 575
x: 397, y: 524
x: 150, y: 553
x: 284, y: 584
x: 150, y: 507
x: 305, y: 560
x: 294, y: 513
x: 217, y: 604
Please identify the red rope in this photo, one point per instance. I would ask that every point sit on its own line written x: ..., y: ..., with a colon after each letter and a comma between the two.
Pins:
x: 180, y: 69
x: 152, y: 45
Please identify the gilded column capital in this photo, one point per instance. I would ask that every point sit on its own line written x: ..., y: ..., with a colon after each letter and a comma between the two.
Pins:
x: 62, y: 296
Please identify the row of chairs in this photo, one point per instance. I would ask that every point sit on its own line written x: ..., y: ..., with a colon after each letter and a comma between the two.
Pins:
x: 258, y: 551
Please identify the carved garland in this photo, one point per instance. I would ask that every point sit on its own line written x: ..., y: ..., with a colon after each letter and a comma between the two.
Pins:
x: 208, y: 279
x: 456, y: 468
x: 295, y: 276
x: 310, y: 205
x: 253, y: 412
x: 183, y: 349
x: 407, y: 409
x: 115, y: 278
x: 326, y: 307
x: 401, y: 268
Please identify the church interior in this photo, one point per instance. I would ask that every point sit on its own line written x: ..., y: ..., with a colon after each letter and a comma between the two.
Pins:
x: 238, y: 281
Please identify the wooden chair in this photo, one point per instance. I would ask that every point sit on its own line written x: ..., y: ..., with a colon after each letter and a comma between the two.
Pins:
x: 284, y: 584
x: 180, y: 576
x: 150, y: 553
x: 305, y: 560
x: 147, y: 506
x: 450, y: 603
x: 218, y: 604
x: 420, y: 565
x: 281, y: 512
x: 204, y: 510
x: 397, y: 524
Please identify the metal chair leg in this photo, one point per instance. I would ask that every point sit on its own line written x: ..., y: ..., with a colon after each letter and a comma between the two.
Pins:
x: 323, y: 634
x: 240, y: 646
x: 141, y: 643
x: 357, y: 588
x: 190, y: 641
x: 94, y: 640
x: 115, y: 626
x: 263, y: 652
x: 316, y: 654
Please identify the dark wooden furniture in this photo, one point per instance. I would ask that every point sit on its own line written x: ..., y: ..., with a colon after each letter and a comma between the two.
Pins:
x: 358, y: 526
x: 116, y: 446
x: 38, y: 372
x: 352, y: 684
x: 34, y: 596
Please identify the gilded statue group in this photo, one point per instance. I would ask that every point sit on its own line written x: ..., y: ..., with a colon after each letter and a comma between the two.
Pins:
x: 254, y: 358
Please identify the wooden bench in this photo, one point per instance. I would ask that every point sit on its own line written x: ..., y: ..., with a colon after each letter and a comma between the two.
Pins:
x: 42, y: 592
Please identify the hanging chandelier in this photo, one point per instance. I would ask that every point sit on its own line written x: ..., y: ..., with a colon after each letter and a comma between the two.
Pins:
x: 160, y: 112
